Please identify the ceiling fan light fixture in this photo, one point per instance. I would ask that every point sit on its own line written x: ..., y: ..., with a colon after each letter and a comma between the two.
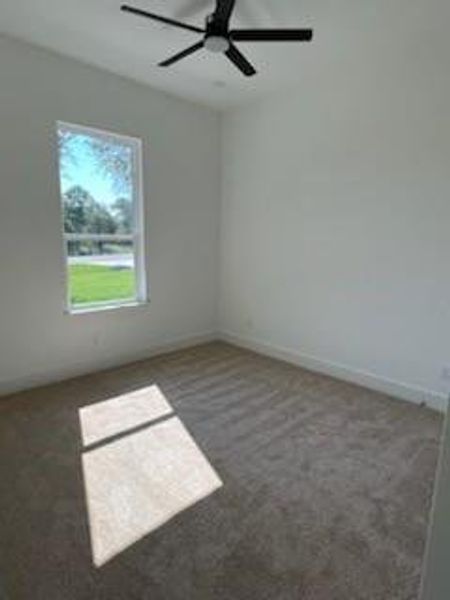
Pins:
x: 217, y: 43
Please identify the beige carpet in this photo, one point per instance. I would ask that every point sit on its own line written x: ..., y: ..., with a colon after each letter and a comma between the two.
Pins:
x: 213, y: 474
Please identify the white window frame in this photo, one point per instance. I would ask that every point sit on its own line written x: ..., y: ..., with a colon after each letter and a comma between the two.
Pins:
x: 137, y: 237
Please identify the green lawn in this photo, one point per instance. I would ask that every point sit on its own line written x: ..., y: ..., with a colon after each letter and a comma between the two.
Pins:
x: 95, y: 283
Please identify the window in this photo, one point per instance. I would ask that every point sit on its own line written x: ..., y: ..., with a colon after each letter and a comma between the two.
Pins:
x: 102, y: 206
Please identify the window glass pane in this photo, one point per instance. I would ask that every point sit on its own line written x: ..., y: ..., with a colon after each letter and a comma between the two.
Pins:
x: 99, y: 182
x: 96, y: 182
x: 101, y: 272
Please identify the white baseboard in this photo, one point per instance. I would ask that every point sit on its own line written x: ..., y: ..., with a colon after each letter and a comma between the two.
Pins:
x: 74, y: 370
x: 404, y: 391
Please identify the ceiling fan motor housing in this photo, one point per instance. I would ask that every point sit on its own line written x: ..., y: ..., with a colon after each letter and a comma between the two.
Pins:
x: 216, y: 36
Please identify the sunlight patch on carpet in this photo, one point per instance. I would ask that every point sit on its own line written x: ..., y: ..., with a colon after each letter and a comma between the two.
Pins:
x: 136, y: 482
x: 119, y: 414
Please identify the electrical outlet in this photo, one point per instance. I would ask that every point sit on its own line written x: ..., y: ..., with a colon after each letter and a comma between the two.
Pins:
x: 445, y: 374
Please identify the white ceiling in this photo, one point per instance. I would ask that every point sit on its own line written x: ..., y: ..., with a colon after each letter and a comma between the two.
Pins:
x: 97, y: 32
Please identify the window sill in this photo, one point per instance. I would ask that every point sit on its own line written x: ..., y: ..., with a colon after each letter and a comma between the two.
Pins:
x: 96, y: 308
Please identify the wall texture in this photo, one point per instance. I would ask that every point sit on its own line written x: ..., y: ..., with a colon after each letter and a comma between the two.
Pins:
x: 181, y: 174
x: 335, y: 212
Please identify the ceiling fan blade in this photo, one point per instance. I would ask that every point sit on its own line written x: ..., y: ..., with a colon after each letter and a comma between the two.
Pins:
x: 143, y: 13
x: 223, y: 11
x: 271, y: 35
x: 240, y: 61
x: 180, y: 55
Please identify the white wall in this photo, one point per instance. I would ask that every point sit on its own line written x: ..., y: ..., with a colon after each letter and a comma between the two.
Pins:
x: 336, y: 210
x: 181, y: 144
x: 334, y: 219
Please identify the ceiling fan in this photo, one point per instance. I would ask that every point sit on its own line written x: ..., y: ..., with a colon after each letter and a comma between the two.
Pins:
x: 218, y: 37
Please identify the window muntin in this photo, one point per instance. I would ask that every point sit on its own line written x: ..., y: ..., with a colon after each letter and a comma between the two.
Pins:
x: 101, y: 196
